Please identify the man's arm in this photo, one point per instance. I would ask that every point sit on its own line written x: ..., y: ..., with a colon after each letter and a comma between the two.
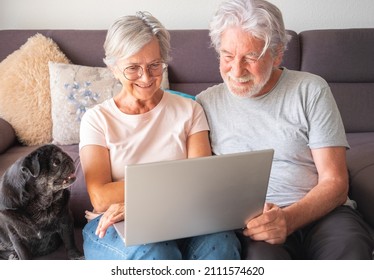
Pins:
x: 330, y: 192
x: 275, y: 224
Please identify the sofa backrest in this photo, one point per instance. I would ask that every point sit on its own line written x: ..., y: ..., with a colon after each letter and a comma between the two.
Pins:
x: 190, y: 49
x: 83, y: 47
x: 344, y: 58
x: 194, y: 64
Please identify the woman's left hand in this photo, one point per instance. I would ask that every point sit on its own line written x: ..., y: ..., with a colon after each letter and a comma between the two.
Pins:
x: 114, y: 214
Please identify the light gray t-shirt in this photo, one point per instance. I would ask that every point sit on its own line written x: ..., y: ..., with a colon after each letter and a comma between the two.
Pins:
x: 297, y: 115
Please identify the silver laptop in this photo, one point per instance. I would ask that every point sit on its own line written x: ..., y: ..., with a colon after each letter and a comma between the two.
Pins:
x: 190, y: 197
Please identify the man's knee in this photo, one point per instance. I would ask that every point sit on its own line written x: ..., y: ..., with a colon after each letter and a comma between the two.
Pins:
x: 342, y: 234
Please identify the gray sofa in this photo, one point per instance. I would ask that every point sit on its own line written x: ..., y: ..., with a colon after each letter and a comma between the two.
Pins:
x: 343, y: 57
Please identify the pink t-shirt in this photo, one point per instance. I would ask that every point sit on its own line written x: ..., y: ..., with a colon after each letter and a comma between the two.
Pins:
x: 158, y: 135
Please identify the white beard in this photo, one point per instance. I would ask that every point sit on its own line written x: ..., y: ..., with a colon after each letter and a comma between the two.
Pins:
x: 246, y: 91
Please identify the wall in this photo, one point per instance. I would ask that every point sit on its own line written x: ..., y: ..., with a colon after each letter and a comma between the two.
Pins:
x: 176, y: 14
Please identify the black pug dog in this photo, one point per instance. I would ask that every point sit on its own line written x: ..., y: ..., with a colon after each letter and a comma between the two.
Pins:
x: 34, y: 205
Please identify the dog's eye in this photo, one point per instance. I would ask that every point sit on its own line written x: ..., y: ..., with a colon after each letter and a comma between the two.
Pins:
x: 56, y: 162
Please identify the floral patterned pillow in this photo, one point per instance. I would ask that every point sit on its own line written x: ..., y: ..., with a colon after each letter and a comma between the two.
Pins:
x: 74, y: 89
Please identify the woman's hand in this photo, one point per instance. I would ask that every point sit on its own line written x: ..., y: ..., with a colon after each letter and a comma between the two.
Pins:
x: 114, y: 214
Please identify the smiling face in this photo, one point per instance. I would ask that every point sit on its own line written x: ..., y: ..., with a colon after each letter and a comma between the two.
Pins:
x: 246, y: 71
x: 145, y: 89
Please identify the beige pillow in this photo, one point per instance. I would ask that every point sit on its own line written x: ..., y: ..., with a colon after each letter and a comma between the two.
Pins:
x: 74, y: 89
x: 24, y: 89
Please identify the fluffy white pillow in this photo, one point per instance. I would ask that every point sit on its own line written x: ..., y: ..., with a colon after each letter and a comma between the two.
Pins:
x: 25, y: 92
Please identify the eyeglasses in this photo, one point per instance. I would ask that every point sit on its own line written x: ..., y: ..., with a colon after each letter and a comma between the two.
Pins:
x: 134, y: 72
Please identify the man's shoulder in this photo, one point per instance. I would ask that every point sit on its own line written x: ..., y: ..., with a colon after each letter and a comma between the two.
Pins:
x: 304, y: 77
x: 209, y: 92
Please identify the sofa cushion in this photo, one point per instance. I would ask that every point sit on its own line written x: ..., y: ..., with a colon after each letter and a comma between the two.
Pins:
x: 339, y: 55
x: 8, y: 135
x: 343, y: 57
x: 291, y: 57
x: 24, y: 89
x: 83, y: 47
x: 193, y: 52
x: 355, y: 102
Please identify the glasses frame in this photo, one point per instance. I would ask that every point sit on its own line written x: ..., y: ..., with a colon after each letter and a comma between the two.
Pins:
x: 149, y: 71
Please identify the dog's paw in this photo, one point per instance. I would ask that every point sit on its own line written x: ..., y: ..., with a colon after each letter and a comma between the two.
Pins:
x: 13, y: 256
x: 75, y: 255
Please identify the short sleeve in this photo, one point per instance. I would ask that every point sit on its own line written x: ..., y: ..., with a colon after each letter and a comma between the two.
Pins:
x: 91, y: 129
x: 326, y: 127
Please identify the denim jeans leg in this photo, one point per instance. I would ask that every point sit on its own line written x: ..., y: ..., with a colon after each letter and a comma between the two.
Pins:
x: 216, y: 246
x: 112, y: 247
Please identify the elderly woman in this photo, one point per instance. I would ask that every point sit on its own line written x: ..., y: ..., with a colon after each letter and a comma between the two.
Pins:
x: 135, y: 127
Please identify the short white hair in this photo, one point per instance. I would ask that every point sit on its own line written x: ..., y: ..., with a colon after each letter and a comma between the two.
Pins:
x: 129, y: 34
x: 259, y: 18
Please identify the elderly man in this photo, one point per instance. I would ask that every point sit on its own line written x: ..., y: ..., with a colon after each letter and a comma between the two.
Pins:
x: 308, y: 214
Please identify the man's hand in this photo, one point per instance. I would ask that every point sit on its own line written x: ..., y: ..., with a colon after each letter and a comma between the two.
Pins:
x: 270, y: 226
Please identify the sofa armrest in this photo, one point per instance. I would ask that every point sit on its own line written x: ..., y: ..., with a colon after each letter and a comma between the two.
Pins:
x: 8, y: 135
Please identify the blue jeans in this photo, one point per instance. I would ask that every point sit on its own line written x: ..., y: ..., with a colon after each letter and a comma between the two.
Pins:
x: 217, y: 246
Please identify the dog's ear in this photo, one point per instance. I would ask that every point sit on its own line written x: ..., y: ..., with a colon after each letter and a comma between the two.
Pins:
x: 12, y: 187
x: 30, y: 166
x: 13, y: 190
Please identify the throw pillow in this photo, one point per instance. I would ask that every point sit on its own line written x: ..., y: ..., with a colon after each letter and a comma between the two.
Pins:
x: 181, y: 94
x: 75, y: 89
x: 24, y: 89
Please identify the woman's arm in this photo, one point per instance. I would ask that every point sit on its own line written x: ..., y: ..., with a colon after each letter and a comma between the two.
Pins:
x: 97, y: 172
x: 198, y: 145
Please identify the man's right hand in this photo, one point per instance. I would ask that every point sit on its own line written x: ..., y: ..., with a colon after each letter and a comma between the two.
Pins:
x: 270, y: 226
